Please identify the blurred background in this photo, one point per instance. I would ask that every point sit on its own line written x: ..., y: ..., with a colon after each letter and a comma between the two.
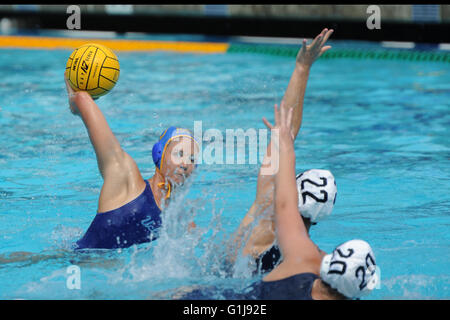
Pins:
x: 419, y: 23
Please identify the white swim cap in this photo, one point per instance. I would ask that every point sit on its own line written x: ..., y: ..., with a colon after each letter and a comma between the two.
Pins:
x: 350, y: 269
x: 316, y: 194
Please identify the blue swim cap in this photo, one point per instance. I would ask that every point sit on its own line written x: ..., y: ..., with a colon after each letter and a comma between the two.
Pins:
x: 169, y: 134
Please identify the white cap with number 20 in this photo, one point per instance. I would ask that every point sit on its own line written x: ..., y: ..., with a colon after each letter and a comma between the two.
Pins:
x: 350, y: 269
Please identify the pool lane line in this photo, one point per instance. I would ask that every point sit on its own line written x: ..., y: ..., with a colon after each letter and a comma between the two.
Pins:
x: 32, y: 42
x: 336, y: 53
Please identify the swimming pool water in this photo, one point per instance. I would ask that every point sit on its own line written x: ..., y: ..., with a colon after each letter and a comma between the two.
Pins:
x: 381, y: 127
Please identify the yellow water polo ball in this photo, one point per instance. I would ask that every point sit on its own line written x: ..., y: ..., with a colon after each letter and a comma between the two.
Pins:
x: 93, y: 68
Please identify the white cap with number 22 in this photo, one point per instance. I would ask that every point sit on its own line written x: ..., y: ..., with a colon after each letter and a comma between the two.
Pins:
x: 316, y: 194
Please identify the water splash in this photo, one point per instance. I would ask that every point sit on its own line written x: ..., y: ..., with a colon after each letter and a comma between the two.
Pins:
x: 62, y: 237
x: 183, y: 256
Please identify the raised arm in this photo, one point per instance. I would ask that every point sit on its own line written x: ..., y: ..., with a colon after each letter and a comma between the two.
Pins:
x: 295, y: 92
x: 295, y: 244
x: 293, y: 99
x: 263, y: 233
x: 107, y: 149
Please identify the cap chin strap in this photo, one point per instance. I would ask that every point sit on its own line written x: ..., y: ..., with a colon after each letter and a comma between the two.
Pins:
x: 162, y: 185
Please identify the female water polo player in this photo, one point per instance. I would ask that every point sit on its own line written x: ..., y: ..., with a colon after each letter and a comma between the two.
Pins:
x: 316, y: 197
x: 304, y: 274
x: 313, y: 184
x: 129, y: 206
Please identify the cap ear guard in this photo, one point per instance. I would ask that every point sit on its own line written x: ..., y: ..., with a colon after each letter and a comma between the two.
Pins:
x: 156, y: 154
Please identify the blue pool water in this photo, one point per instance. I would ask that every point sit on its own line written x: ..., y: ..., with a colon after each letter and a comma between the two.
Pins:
x: 381, y: 127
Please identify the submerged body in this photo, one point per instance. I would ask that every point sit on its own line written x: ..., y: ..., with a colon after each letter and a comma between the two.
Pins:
x: 296, y: 287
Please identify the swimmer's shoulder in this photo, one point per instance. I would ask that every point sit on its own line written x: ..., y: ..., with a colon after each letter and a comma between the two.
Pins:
x: 135, y: 181
x: 122, y: 184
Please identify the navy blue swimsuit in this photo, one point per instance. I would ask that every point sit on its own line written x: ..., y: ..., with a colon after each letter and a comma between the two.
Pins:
x: 136, y: 222
x: 296, y: 287
x: 268, y: 260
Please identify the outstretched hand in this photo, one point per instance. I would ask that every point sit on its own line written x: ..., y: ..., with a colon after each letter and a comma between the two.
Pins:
x: 310, y: 53
x: 282, y: 129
